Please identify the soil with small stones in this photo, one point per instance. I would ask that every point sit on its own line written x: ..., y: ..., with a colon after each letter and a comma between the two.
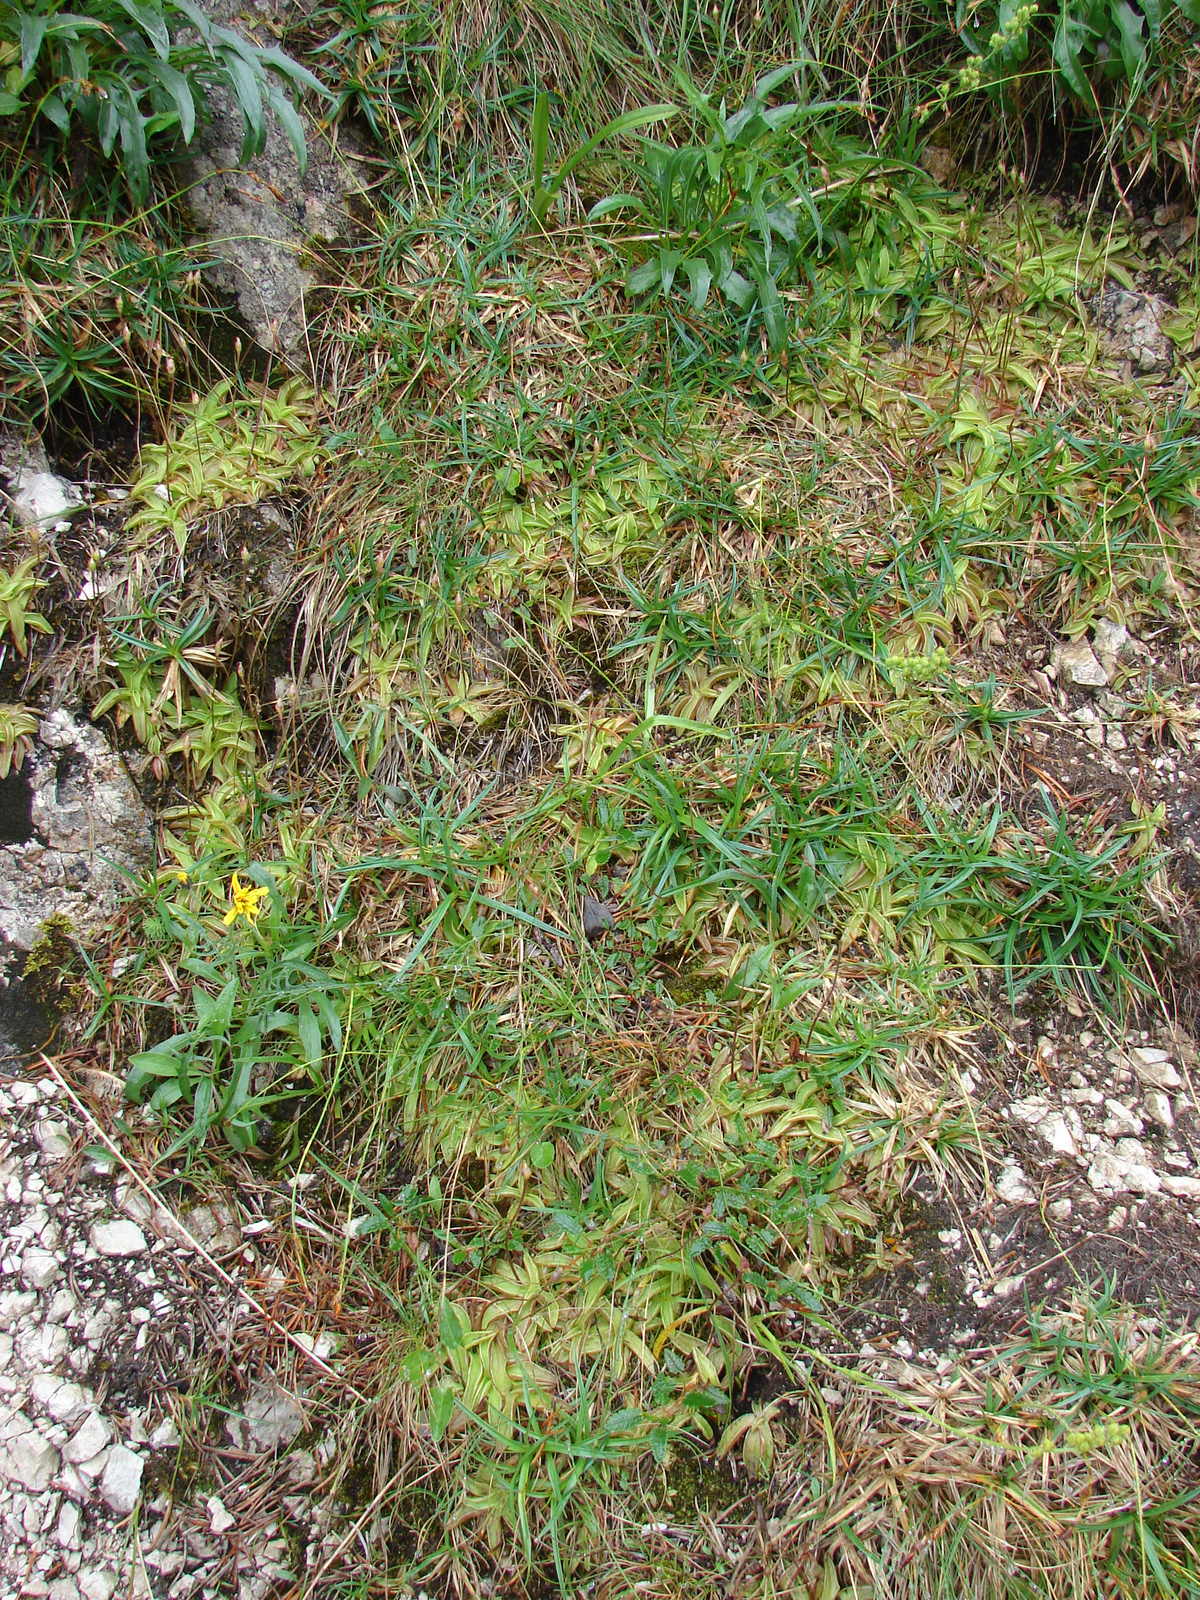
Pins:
x: 151, y: 1444
x: 970, y: 1266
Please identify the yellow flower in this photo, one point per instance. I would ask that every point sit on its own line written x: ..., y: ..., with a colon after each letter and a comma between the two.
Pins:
x: 247, y: 902
x: 181, y: 877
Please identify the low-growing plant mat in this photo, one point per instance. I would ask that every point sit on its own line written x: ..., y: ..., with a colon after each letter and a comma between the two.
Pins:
x: 1024, y: 1470
x: 594, y: 903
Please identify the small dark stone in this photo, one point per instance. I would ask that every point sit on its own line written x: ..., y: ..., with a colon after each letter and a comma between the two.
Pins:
x: 597, y: 916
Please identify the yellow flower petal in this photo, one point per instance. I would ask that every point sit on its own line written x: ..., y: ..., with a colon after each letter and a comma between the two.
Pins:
x: 247, y: 902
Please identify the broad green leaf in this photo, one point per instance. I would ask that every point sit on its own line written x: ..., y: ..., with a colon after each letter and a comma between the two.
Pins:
x: 300, y: 76
x: 810, y: 205
x: 542, y: 1154
x: 612, y: 203
x: 738, y: 289
x: 33, y: 31
x: 133, y: 144
x: 245, y: 86
x: 161, y: 1062
x: 700, y: 278
x: 451, y: 1327
x: 622, y: 1421
x: 197, y: 18
x: 202, y: 1109
x: 540, y: 138
x: 668, y: 265
x: 644, y: 277
x: 779, y: 117
x: 160, y: 122
x: 751, y: 973
x: 177, y: 87
x: 80, y: 58
x: 1152, y: 11
x: 1133, y: 46
x: 1190, y: 9
x: 214, y: 1016
x: 330, y: 1020
x: 783, y: 222
x: 1070, y: 36
x: 418, y: 1364
x: 774, y: 313
x: 763, y: 223
x: 770, y: 81
x: 150, y: 19
x: 643, y: 117
x: 108, y: 121
x: 441, y: 1409
x: 10, y: 104
x: 720, y: 256
x: 290, y: 121
x: 237, y: 1091
x: 744, y: 126
x: 310, y: 1033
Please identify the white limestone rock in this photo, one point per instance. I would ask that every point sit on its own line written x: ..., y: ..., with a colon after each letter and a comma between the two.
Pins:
x: 26, y: 1456
x: 121, y: 1482
x: 270, y: 1421
x: 119, y: 1237
x: 1075, y: 662
x: 1154, y: 1067
x: 40, y: 1268
x: 1012, y: 1186
x: 91, y: 1439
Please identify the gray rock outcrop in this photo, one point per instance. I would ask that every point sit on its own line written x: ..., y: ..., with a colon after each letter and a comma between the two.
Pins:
x: 262, y: 220
x: 86, y: 823
x: 1131, y: 328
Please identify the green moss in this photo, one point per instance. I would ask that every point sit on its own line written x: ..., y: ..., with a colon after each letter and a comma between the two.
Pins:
x: 690, y: 986
x: 52, y: 968
x: 180, y: 1476
x: 358, y: 1485
x: 416, y: 1516
x: 695, y: 1483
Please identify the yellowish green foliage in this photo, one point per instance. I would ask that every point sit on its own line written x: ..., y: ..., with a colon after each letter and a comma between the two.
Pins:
x: 18, y: 729
x: 17, y: 589
x: 227, y: 448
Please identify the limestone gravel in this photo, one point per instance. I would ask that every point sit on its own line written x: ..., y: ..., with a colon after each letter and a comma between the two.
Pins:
x: 99, y: 1317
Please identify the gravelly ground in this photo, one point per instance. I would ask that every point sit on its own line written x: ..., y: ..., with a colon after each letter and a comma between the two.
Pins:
x: 107, y: 1316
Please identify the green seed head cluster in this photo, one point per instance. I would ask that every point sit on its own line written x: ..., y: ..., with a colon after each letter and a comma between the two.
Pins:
x: 1012, y: 29
x: 919, y: 668
x: 1103, y: 1436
